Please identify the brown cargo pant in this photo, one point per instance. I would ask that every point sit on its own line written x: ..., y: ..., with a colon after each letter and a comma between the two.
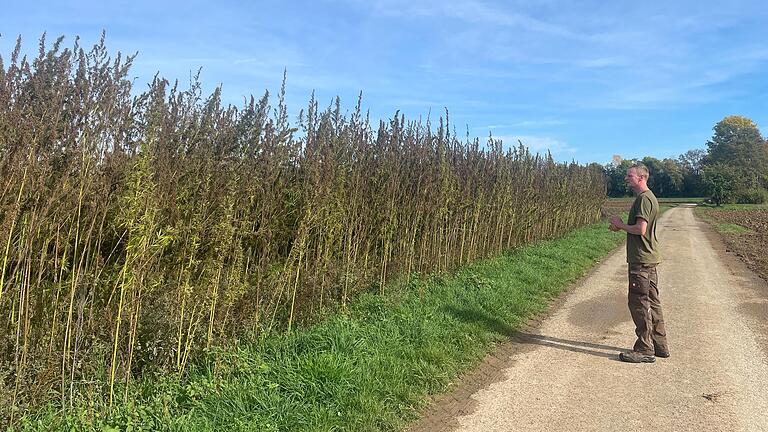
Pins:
x: 645, y: 308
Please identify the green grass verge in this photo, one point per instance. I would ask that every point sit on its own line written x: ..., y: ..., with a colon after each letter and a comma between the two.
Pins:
x: 733, y: 207
x: 682, y: 200
x: 369, y: 369
x: 727, y: 228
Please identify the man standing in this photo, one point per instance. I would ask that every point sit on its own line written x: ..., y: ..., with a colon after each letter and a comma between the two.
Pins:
x: 643, y: 256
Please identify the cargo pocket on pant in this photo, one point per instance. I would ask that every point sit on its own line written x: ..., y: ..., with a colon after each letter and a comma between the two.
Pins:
x: 639, y: 281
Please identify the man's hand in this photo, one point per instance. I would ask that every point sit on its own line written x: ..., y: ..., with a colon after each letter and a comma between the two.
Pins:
x: 615, y: 222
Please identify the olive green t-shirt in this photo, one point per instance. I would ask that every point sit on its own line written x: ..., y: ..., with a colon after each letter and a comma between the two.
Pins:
x: 644, y: 249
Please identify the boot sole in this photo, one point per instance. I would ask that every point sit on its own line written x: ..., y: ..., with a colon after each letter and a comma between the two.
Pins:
x: 644, y: 359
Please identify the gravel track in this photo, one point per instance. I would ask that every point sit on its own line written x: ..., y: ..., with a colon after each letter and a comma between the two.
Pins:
x: 565, y: 374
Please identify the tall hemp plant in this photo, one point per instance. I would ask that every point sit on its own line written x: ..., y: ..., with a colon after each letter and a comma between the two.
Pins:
x: 139, y: 231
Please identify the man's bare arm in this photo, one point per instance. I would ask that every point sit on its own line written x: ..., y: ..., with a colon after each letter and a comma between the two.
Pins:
x: 638, y: 228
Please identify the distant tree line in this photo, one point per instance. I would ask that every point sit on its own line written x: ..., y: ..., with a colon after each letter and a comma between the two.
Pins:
x: 733, y: 168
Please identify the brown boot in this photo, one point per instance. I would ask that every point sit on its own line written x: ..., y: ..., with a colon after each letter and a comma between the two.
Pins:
x: 660, y: 351
x: 636, y: 357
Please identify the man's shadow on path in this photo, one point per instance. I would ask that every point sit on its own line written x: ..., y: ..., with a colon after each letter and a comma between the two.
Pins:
x: 499, y: 326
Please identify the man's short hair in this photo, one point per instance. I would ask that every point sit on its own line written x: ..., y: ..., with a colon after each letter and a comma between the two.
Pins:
x: 640, y: 169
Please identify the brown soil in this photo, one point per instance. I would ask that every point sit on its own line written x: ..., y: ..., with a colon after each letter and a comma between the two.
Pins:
x: 618, y: 206
x: 615, y: 207
x: 749, y: 246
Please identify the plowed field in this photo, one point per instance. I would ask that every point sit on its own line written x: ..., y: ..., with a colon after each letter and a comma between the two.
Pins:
x: 749, y: 246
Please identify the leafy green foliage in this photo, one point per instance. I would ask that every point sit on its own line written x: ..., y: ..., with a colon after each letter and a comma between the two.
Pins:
x: 751, y: 196
x: 734, y: 167
x: 738, y: 147
x: 737, y: 143
x: 720, y: 182
x: 691, y: 163
x: 667, y: 177
x: 614, y: 174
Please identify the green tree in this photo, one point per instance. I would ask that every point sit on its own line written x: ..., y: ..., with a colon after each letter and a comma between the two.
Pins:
x: 691, y: 163
x: 665, y: 176
x: 671, y: 176
x: 720, y: 182
x: 614, y: 177
x: 737, y: 143
x: 693, y: 160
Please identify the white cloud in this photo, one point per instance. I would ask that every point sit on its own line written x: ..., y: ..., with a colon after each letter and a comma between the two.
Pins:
x: 536, y: 123
x: 522, y: 124
x: 470, y: 11
x: 417, y: 103
x: 602, y: 62
x: 538, y: 144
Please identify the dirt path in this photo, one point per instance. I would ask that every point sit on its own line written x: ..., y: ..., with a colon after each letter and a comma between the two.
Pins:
x: 565, y: 374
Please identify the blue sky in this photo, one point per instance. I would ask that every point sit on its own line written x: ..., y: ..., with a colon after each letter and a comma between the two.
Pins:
x: 585, y: 80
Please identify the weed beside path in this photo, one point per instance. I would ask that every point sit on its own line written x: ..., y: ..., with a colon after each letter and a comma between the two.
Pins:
x: 369, y: 369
